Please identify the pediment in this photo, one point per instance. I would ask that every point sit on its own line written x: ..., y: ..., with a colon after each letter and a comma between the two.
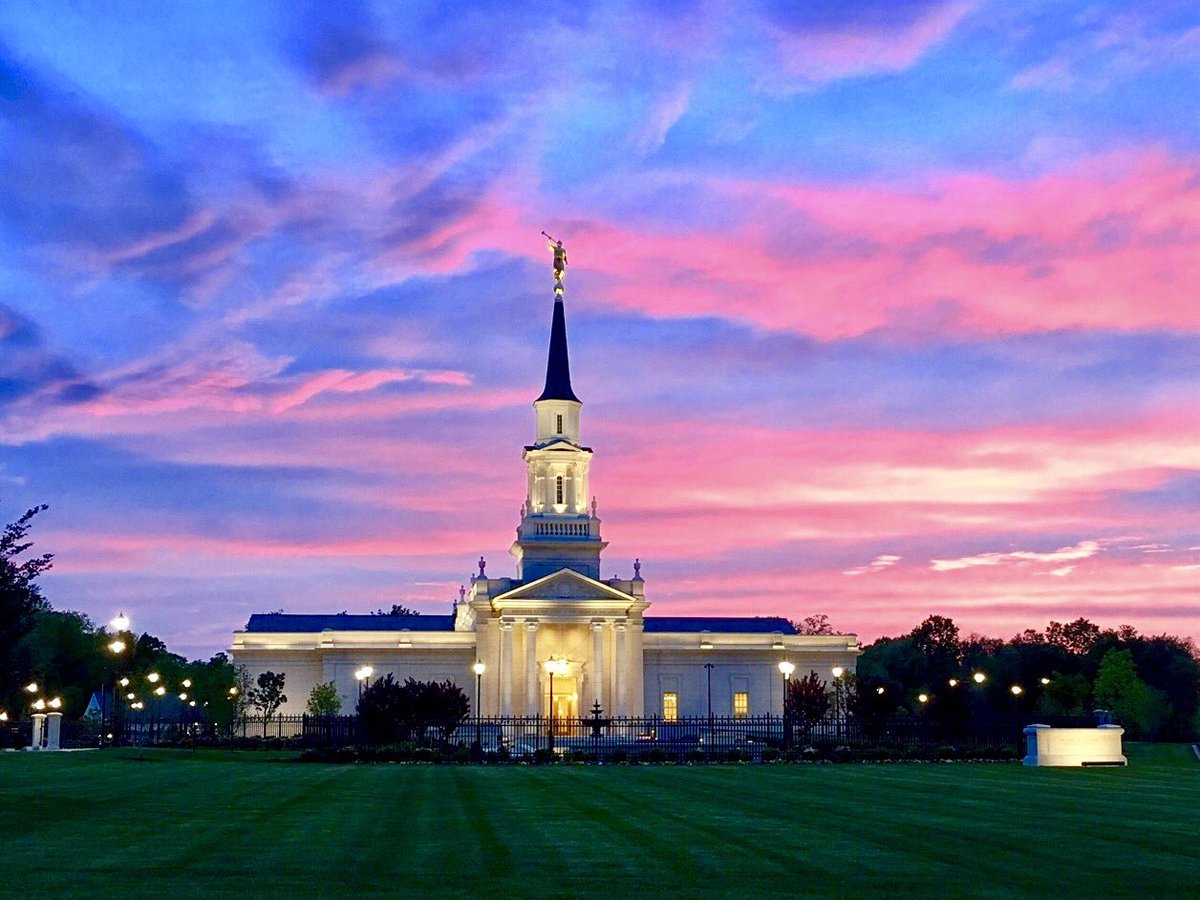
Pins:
x: 565, y: 584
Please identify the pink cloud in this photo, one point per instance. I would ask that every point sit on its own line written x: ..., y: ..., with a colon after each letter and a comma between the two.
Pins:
x: 860, y: 48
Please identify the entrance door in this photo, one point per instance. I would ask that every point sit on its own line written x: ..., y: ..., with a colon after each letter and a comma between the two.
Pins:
x: 564, y: 702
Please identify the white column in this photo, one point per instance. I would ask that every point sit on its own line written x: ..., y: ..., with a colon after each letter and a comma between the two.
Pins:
x: 532, y: 707
x: 597, y: 664
x: 54, y: 731
x: 619, y: 662
x: 39, y: 731
x: 506, y: 667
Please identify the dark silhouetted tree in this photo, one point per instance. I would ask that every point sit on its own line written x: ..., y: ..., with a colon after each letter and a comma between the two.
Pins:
x: 807, y: 700
x: 267, y: 695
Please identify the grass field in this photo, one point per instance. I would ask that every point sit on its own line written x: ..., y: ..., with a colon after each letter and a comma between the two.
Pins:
x: 167, y: 824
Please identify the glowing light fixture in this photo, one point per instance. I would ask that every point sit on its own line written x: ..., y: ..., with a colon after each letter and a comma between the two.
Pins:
x: 3, y: 717
x: 152, y: 678
x: 130, y: 695
x: 1044, y: 680
x: 116, y: 646
x: 924, y: 698
x: 187, y: 682
x: 39, y: 704
x: 159, y: 691
x: 786, y: 668
x: 183, y: 696
x: 32, y: 687
x: 120, y: 622
x: 124, y: 682
x: 191, y: 703
x: 879, y: 691
x: 706, y: 645
x: 233, y: 691
x: 478, y: 668
x: 1017, y: 690
x: 56, y: 703
x: 979, y: 677
x: 953, y: 682
x: 838, y: 671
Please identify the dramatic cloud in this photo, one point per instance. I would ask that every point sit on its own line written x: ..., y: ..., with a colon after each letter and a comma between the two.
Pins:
x: 1082, y: 550
x: 889, y: 302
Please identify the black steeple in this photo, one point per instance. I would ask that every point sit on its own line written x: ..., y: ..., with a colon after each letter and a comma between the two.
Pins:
x: 558, y: 366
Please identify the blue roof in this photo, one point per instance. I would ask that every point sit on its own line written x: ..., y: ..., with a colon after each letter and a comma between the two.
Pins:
x: 281, y: 622
x: 719, y: 624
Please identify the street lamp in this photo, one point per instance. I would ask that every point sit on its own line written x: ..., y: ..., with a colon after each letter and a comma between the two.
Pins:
x: 1017, y: 690
x: 1044, y: 680
x: 839, y: 714
x: 979, y: 678
x: 56, y: 703
x: 153, y: 678
x: 362, y: 673
x: 953, y: 682
x: 786, y: 668
x: 554, y: 667
x: 120, y: 622
x: 32, y: 687
x: 478, y: 668
x: 39, y: 704
x: 922, y: 698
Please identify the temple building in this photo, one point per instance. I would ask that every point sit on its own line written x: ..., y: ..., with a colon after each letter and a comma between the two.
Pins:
x: 558, y: 607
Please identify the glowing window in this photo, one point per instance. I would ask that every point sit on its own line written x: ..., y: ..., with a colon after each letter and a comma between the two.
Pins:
x: 741, y: 704
x: 670, y: 706
x: 559, y: 424
x: 558, y: 489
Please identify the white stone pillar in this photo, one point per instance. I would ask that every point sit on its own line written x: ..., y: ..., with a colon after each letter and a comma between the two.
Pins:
x: 506, y: 667
x: 597, y: 664
x: 39, y: 731
x: 532, y: 707
x: 620, y: 665
x: 54, y: 731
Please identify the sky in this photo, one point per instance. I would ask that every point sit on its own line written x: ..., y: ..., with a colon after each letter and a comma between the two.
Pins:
x: 877, y: 309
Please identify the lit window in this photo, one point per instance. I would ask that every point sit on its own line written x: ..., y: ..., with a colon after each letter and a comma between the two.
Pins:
x: 741, y: 704
x: 558, y: 489
x: 560, y: 431
x: 670, y: 706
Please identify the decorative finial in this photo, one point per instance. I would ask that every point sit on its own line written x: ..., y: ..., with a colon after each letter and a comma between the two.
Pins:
x: 637, y: 570
x: 462, y: 594
x: 593, y: 507
x: 482, y: 564
x: 560, y: 263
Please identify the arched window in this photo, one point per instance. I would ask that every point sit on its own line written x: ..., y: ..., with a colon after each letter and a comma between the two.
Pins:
x: 558, y: 489
x: 560, y: 430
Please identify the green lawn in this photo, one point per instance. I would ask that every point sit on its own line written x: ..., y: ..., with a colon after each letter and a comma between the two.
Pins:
x: 167, y: 824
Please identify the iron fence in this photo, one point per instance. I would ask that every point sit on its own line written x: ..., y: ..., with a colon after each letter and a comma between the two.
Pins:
x: 613, y: 738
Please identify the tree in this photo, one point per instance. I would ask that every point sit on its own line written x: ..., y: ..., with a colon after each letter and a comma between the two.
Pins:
x: 1133, y: 703
x: 1065, y: 695
x: 20, y: 600
x: 268, y: 696
x: 937, y: 639
x: 1075, y: 637
x: 398, y: 609
x: 384, y: 710
x: 324, y: 700
x: 817, y: 624
x: 806, y: 701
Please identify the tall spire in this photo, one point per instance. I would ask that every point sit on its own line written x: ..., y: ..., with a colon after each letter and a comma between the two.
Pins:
x: 558, y: 365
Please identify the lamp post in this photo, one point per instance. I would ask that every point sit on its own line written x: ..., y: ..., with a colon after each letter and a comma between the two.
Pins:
x: 116, y: 647
x: 553, y: 667
x: 361, y: 674
x: 709, y: 670
x: 478, y: 669
x: 838, y: 713
x: 786, y: 668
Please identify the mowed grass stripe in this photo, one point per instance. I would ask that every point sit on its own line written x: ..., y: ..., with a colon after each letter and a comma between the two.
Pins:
x: 238, y: 825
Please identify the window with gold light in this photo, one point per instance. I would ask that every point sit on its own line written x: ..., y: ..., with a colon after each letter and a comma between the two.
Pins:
x: 670, y: 706
x: 741, y: 704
